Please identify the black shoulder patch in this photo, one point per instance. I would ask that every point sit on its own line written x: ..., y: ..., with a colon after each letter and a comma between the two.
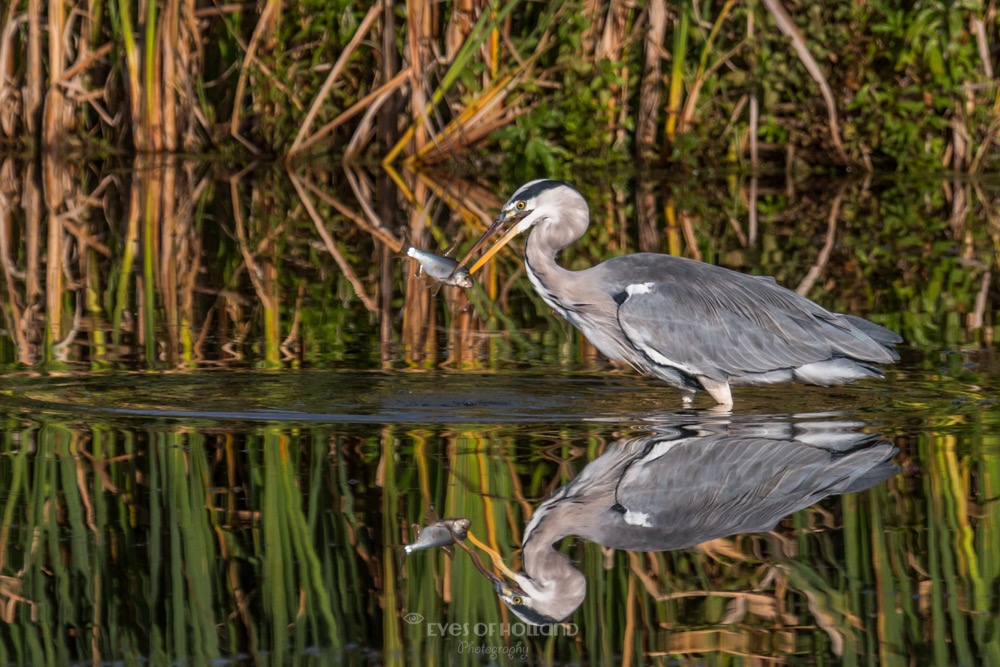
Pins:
x: 620, y: 297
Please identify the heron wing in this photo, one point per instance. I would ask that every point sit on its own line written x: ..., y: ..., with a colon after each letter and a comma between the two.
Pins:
x: 702, y: 488
x: 710, y: 321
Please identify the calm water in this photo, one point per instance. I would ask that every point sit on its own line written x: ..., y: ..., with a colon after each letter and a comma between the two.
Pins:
x: 219, y: 430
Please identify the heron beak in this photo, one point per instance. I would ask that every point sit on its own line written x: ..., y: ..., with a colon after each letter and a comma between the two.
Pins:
x: 502, y: 586
x: 506, y: 590
x: 507, y: 217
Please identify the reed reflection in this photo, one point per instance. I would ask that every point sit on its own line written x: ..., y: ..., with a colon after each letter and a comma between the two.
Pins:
x: 680, y: 487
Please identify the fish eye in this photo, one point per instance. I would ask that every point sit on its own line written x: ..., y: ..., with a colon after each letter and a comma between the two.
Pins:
x: 520, y: 205
x: 517, y: 599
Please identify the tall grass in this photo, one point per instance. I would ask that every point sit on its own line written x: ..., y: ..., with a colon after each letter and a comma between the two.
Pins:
x: 549, y: 85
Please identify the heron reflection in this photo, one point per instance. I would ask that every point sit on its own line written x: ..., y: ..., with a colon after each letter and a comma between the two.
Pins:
x: 682, y: 487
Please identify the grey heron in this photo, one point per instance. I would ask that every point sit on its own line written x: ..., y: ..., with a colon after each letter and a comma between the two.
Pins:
x: 678, y: 489
x: 694, y: 325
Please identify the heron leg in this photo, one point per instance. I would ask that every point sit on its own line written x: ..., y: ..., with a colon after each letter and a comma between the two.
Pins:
x: 718, y: 390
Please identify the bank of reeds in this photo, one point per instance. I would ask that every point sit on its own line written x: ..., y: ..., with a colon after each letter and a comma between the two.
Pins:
x: 542, y: 84
x: 175, y: 265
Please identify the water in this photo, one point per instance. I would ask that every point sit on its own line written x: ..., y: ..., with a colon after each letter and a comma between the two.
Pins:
x: 217, y: 437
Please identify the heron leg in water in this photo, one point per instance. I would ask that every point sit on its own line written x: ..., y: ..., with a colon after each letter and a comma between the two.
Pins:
x: 719, y: 391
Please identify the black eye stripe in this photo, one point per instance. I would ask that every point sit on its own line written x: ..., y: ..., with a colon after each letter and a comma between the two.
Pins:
x: 535, y: 189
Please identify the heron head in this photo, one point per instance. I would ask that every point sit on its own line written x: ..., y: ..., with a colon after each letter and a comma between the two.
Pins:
x: 543, y: 604
x: 534, y: 202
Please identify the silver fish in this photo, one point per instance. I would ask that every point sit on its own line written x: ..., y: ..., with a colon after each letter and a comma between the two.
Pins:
x: 439, y: 534
x: 442, y: 269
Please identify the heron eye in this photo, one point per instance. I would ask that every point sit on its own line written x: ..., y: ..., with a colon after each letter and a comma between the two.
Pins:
x: 520, y: 205
x: 517, y: 600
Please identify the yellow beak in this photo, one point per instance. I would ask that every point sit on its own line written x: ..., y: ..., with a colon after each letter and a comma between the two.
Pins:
x: 509, y: 216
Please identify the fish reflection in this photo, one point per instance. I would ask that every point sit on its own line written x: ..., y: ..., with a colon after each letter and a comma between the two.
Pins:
x: 680, y: 488
x: 441, y: 533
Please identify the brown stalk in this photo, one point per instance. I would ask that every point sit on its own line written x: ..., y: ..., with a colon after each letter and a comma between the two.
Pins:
x: 365, y: 128
x: 84, y: 238
x: 54, y: 105
x: 471, y: 117
x: 83, y: 62
x: 378, y: 231
x: 588, y: 39
x: 788, y: 28
x: 388, y: 87
x: 31, y: 204
x: 338, y: 67
x: 645, y: 210
x: 419, y: 314
x: 264, y: 279
x: 461, y: 204
x: 652, y: 84
x: 983, y: 45
x: 417, y: 34
x: 259, y: 31
x: 171, y: 258
x: 754, y: 129
x: 612, y: 43
x: 458, y: 29
x: 8, y: 104
x: 33, y: 85
x: 189, y: 281
x: 752, y: 198
x: 689, y: 236
x: 976, y: 317
x: 54, y: 196
x: 823, y: 258
x: 991, y: 133
x: 960, y: 137
x: 12, y: 310
x: 331, y: 247
x: 170, y: 46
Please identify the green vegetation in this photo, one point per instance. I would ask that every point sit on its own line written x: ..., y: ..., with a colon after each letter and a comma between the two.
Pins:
x: 875, y: 85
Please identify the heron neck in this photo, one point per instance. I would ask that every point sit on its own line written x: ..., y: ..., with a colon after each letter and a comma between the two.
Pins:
x: 551, y: 235
x: 552, y: 521
x: 554, y: 577
x: 556, y: 285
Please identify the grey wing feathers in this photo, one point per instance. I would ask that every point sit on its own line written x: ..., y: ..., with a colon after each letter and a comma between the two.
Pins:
x: 876, y: 331
x: 706, y: 489
x: 715, y: 322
